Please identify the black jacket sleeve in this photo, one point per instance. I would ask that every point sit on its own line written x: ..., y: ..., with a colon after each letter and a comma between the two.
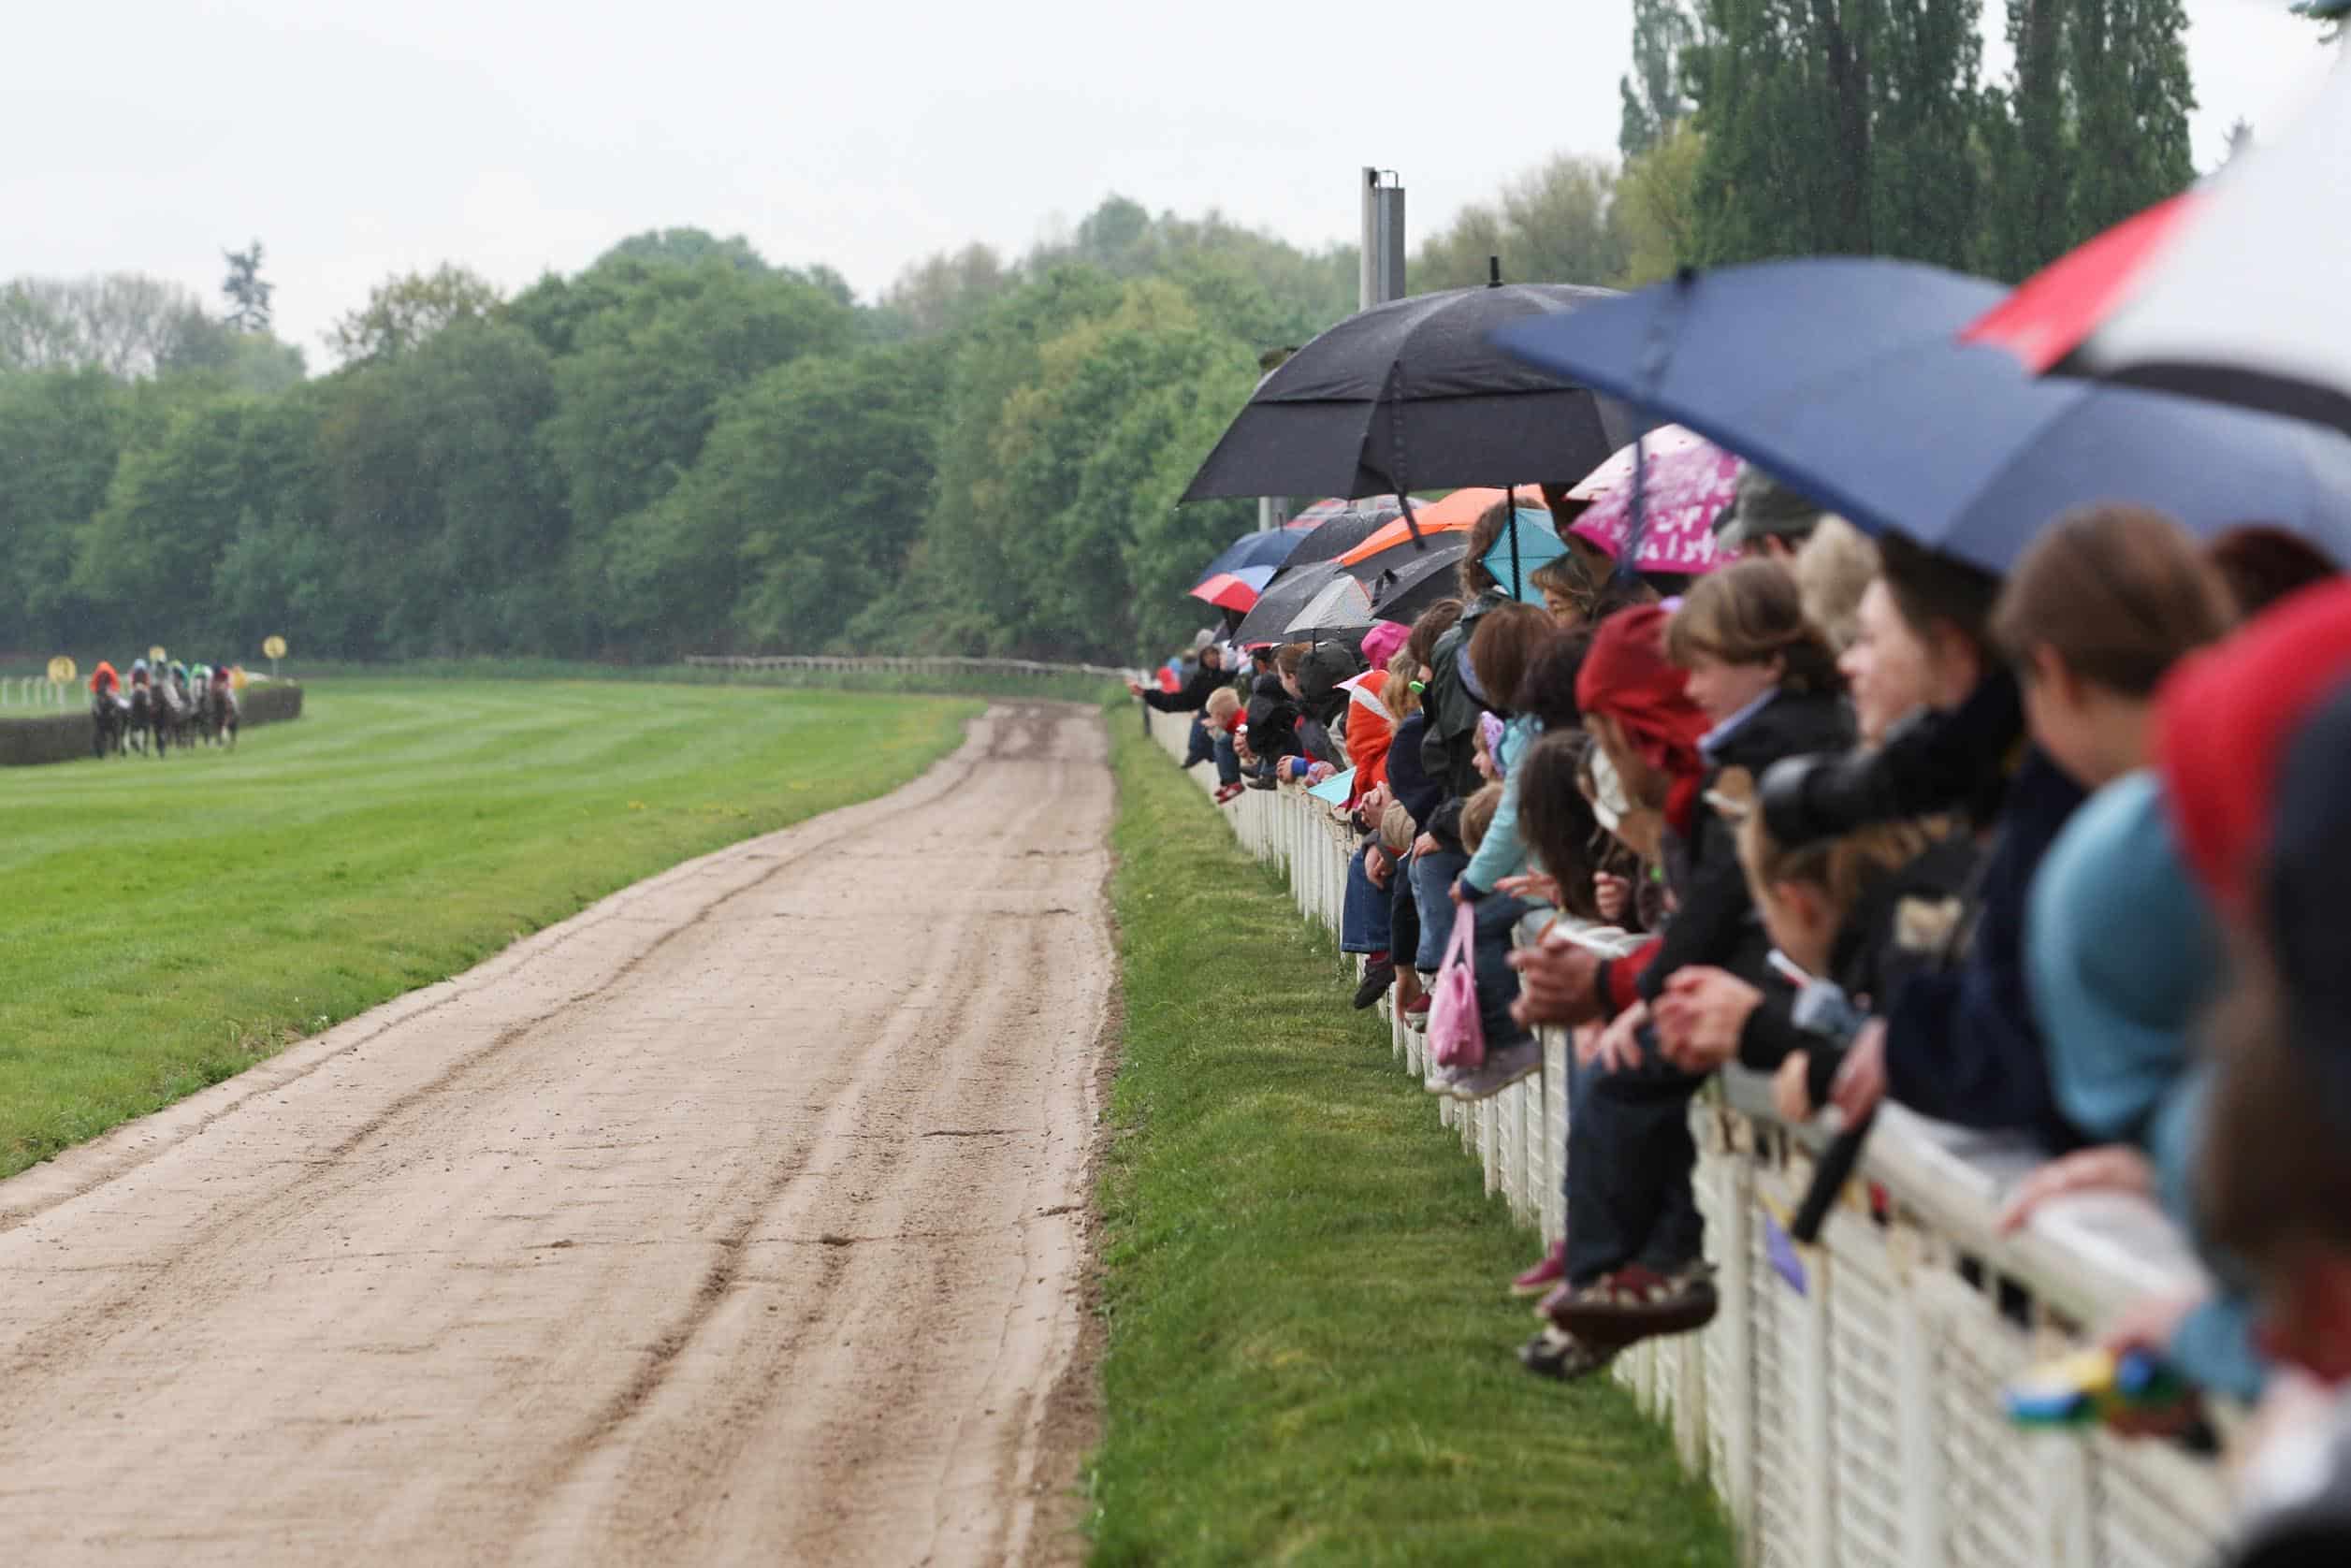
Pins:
x: 1961, y: 1044
x: 1714, y: 912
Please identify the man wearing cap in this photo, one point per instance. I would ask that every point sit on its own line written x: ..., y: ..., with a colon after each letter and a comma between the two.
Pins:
x: 1768, y: 517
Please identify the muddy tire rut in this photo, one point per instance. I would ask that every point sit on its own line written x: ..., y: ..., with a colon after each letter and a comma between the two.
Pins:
x: 741, y: 1218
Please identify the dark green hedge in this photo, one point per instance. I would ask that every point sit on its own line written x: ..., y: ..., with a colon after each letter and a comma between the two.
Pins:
x: 64, y: 737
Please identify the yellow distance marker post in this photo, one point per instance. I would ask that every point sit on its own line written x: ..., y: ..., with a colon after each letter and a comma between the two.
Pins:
x: 274, y: 649
x: 156, y: 656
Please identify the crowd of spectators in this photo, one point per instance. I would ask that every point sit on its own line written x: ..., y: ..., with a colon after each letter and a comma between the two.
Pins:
x: 2052, y: 855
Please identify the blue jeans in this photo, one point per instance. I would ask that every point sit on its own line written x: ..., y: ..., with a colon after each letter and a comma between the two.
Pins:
x: 1227, y: 761
x: 1497, y: 916
x: 1198, y: 749
x: 1363, y: 918
x: 1629, y: 1159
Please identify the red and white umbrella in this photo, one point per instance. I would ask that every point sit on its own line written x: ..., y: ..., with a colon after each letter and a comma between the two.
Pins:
x: 1234, y: 590
x: 2049, y: 314
x: 2243, y: 302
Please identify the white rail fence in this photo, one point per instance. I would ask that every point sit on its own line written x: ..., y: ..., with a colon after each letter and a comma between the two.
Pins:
x: 37, y: 691
x: 1844, y: 1402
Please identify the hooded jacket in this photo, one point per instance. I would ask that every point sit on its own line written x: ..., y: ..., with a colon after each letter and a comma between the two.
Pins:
x: 1448, y: 748
x: 1273, y: 718
x: 1194, y: 693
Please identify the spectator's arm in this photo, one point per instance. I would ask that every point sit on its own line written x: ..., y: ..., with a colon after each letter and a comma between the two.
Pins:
x: 1713, y: 912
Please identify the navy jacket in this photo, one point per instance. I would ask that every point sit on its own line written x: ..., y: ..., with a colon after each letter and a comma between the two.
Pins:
x: 1407, y: 779
x: 1961, y: 1044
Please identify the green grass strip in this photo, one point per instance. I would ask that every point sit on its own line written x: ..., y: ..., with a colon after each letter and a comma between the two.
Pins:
x: 1310, y: 1339
x: 171, y: 922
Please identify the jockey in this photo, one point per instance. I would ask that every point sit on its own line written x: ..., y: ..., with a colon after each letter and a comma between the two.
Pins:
x: 104, y: 681
x: 138, y: 671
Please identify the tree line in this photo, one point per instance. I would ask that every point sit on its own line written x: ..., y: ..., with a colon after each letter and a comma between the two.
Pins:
x: 685, y: 448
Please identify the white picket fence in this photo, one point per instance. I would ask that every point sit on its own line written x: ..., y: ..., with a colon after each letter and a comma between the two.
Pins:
x: 1854, y: 1421
x: 37, y: 691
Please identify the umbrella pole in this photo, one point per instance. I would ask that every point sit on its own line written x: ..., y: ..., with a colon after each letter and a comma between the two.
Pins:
x: 1396, y: 431
x: 1510, y: 500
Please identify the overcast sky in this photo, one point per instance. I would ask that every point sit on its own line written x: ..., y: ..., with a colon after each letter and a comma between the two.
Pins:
x: 357, y: 140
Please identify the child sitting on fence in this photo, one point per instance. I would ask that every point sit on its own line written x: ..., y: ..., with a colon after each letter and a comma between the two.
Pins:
x: 1224, y: 718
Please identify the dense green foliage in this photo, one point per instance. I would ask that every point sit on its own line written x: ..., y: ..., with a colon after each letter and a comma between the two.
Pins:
x: 400, y: 833
x: 1310, y: 1350
x: 684, y: 448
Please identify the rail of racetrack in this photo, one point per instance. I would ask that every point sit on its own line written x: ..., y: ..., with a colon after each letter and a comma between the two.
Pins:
x: 1846, y: 1401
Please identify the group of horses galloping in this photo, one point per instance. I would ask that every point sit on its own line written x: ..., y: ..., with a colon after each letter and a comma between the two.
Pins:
x: 152, y: 717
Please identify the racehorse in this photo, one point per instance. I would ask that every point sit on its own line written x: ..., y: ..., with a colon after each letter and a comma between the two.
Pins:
x: 146, y: 718
x: 110, y: 716
x: 220, y: 713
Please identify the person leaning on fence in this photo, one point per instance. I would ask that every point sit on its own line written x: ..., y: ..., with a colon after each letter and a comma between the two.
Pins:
x: 2275, y: 1161
x: 1207, y: 677
x: 1451, y: 698
x: 1410, y: 786
x: 1960, y: 1044
x: 1270, y: 725
x: 1222, y: 719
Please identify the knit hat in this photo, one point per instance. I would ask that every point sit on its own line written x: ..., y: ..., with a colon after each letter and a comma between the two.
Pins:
x: 1381, y: 643
x: 1627, y: 676
x: 1764, y: 506
x: 2223, y: 718
x: 1324, y: 668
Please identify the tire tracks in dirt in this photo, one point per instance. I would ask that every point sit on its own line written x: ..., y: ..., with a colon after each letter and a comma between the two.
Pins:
x: 742, y: 1217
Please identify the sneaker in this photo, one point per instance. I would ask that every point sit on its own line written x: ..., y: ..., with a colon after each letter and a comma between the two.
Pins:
x: 1539, y: 1280
x: 1227, y: 793
x: 1555, y: 1354
x: 1636, y: 1302
x: 1261, y: 784
x: 1442, y: 1080
x: 1503, y: 1068
x: 1378, y: 976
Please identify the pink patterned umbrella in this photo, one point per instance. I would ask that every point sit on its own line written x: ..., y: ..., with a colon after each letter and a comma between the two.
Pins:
x: 1686, y: 489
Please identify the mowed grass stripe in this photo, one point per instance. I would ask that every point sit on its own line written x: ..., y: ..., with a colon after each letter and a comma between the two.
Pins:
x: 170, y: 923
x: 1309, y: 1342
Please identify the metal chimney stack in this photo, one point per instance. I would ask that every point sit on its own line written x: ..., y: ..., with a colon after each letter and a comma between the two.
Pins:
x: 1382, y: 277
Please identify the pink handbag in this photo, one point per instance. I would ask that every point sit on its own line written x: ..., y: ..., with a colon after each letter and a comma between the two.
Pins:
x: 1456, y: 1036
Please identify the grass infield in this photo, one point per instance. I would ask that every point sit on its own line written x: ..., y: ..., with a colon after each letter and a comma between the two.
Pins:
x: 1310, y: 1339
x: 171, y: 922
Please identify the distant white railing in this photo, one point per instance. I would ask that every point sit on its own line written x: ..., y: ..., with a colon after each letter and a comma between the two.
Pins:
x: 36, y: 691
x: 911, y: 666
x: 1855, y: 1421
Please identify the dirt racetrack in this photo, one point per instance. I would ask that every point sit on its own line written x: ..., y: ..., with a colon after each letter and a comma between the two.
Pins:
x: 740, y: 1219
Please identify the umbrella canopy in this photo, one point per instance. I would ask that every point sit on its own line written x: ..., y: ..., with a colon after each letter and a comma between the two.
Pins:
x: 1530, y: 541
x: 1268, y: 549
x: 2246, y: 304
x: 1234, y: 590
x: 1457, y: 513
x: 1663, y: 441
x: 2054, y: 309
x: 1844, y: 378
x: 1310, y: 518
x: 1342, y: 603
x: 1409, y: 395
x: 1415, y: 580
x: 1341, y: 533
x: 1268, y: 619
x: 1682, y: 494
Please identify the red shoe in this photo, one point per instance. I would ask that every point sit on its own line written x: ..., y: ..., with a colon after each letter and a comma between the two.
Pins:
x: 1225, y: 793
x: 1539, y: 1280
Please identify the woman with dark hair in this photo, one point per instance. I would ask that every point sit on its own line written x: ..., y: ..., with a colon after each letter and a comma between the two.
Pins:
x: 2262, y: 563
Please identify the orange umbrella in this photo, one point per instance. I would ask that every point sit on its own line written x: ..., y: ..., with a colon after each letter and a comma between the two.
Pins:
x: 1456, y: 514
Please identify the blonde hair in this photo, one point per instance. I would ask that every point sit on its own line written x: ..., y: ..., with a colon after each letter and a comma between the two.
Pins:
x: 1223, y: 704
x: 1396, y: 828
x: 1403, y: 672
x: 1842, y: 869
x: 1477, y: 815
x: 1834, y: 567
x: 1750, y: 614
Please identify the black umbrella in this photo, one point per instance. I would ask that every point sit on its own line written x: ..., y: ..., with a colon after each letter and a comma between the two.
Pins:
x: 1340, y: 534
x: 1268, y: 619
x: 1409, y: 396
x: 1410, y: 584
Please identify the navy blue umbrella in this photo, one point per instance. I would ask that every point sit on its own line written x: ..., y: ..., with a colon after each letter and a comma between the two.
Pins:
x: 1844, y: 378
x: 1270, y: 548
